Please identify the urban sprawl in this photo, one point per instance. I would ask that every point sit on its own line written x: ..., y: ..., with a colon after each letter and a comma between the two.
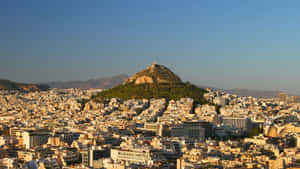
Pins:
x: 57, y: 129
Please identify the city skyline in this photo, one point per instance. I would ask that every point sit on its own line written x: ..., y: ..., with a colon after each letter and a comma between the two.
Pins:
x: 132, y: 84
x: 226, y: 45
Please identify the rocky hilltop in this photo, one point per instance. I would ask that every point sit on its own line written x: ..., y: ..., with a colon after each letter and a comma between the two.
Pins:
x: 156, y: 81
x: 154, y: 74
x: 10, y: 85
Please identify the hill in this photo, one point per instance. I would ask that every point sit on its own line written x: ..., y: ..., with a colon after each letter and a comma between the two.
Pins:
x: 10, y: 85
x: 154, y: 74
x: 101, y: 83
x: 156, y: 81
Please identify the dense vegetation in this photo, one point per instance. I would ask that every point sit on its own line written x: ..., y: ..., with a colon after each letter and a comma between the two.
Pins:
x: 169, y: 91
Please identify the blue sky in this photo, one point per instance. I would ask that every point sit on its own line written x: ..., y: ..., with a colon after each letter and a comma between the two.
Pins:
x: 229, y: 44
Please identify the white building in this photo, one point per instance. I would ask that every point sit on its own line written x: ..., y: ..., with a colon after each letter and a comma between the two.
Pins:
x: 33, y: 138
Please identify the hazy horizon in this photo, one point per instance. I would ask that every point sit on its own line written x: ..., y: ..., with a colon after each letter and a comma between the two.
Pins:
x: 230, y: 44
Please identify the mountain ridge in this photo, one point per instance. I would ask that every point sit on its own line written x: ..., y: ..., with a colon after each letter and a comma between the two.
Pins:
x: 245, y: 92
x: 254, y: 93
x: 11, y: 85
x: 100, y: 83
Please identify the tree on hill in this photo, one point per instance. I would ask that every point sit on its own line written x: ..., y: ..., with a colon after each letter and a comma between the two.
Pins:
x: 156, y: 81
x: 148, y: 91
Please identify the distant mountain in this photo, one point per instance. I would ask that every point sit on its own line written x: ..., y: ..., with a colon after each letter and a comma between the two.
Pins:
x: 248, y: 92
x: 156, y: 81
x: 254, y: 93
x: 101, y: 83
x: 10, y: 85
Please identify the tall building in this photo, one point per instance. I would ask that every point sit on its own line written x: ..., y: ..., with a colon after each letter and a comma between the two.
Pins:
x: 194, y: 129
x: 189, y: 129
x: 221, y: 101
x: 294, y: 99
x: 283, y: 97
x: 139, y: 156
x: 243, y: 123
x: 32, y: 138
x: 207, y: 126
x: 92, y: 156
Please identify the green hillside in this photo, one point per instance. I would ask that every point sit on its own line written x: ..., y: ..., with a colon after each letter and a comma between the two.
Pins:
x: 156, y: 81
x: 148, y: 91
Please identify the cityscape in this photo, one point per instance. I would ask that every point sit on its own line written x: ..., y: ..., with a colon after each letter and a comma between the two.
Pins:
x: 66, y: 128
x: 160, y: 84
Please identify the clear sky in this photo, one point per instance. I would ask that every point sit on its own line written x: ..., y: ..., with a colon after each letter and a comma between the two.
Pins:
x: 227, y: 43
